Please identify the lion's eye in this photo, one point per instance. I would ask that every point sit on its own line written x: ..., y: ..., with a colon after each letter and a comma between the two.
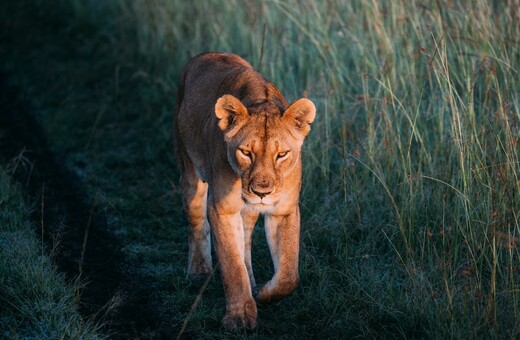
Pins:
x: 245, y: 152
x: 282, y: 154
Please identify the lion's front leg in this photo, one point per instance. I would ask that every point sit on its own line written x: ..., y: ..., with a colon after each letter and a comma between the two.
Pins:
x: 228, y: 236
x: 283, y: 236
x: 249, y: 218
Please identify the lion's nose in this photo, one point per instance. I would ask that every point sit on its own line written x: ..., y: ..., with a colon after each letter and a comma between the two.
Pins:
x: 262, y: 188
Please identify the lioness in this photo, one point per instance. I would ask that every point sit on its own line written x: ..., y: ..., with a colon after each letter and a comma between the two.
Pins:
x: 238, y: 146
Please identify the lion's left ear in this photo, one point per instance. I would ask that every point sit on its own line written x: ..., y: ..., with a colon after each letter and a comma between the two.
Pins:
x: 301, y: 114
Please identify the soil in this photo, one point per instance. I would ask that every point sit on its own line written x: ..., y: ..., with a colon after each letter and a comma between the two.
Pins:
x: 126, y: 303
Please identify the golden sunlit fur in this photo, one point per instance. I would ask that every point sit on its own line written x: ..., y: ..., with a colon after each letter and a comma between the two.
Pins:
x: 238, y: 147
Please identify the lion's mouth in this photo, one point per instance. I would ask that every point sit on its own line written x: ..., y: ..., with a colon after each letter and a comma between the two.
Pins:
x: 259, y: 201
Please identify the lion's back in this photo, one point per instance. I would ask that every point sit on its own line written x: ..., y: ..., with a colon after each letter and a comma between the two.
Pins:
x: 205, y: 74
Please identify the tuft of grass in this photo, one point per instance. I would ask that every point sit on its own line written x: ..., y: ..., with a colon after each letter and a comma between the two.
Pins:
x: 411, y: 196
x: 36, y: 301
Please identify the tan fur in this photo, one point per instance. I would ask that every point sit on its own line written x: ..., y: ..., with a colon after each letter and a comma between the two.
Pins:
x: 238, y: 147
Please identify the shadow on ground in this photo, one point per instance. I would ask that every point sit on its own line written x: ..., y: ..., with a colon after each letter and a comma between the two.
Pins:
x: 70, y: 223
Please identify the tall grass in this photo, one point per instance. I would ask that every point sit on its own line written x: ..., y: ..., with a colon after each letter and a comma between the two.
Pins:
x: 414, y: 158
x: 411, y: 196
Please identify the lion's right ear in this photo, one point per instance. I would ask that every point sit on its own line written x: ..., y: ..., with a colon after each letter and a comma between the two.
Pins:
x: 229, y: 110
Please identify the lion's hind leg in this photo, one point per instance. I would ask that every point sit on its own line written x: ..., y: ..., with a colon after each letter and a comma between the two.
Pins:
x: 195, y: 199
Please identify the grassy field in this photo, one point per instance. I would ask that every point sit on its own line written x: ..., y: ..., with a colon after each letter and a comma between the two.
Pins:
x: 411, y: 196
x: 36, y: 300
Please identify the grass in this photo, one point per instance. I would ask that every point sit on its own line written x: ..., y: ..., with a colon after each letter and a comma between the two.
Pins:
x: 410, y: 205
x: 36, y: 301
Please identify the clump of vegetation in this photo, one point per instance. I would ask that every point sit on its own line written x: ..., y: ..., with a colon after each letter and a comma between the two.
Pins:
x: 36, y: 301
x: 411, y: 196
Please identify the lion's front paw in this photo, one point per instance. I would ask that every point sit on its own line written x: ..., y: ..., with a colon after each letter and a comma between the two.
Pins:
x: 274, y: 291
x: 242, y: 319
x: 263, y: 294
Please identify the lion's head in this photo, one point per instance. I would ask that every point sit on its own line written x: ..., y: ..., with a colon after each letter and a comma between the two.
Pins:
x: 263, y: 144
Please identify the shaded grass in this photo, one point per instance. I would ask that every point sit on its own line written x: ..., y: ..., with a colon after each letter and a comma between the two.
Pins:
x: 36, y: 301
x: 411, y: 193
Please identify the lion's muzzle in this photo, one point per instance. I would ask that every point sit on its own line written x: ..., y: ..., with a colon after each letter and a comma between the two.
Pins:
x: 262, y: 187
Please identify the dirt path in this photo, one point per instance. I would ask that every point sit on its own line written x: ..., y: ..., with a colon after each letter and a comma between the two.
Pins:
x: 125, y: 302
